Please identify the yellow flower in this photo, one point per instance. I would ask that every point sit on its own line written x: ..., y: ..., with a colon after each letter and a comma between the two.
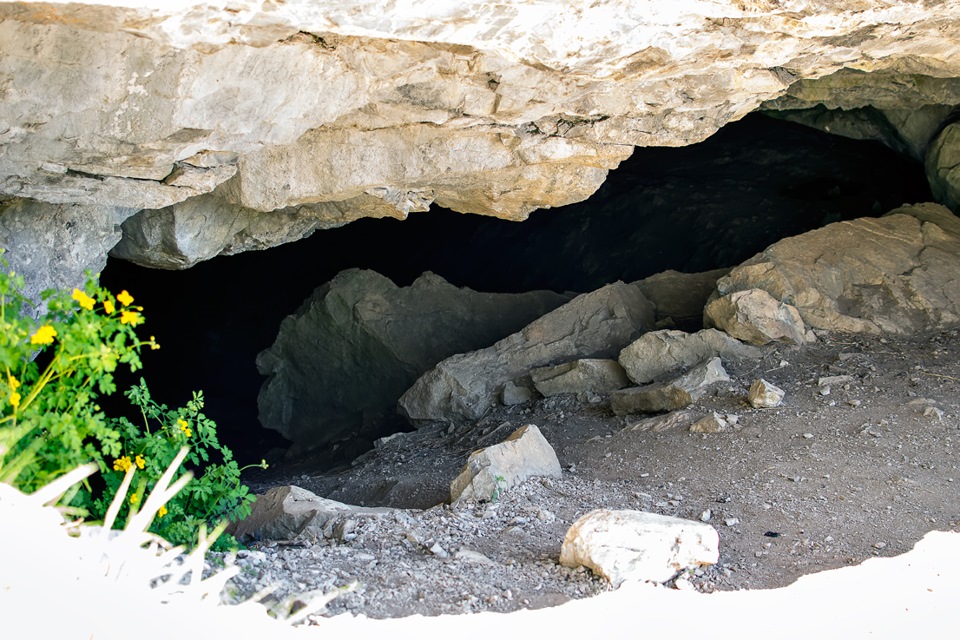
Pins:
x: 13, y: 383
x: 83, y: 299
x: 109, y: 307
x: 153, y: 343
x: 122, y: 464
x: 130, y: 317
x: 134, y: 499
x: 162, y: 511
x: 125, y: 298
x: 139, y: 461
x: 184, y: 427
x: 43, y: 335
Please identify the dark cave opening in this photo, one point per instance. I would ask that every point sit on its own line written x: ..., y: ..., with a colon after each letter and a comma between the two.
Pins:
x: 690, y: 209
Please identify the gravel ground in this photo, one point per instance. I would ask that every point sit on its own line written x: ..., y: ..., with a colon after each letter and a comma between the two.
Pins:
x: 857, y: 467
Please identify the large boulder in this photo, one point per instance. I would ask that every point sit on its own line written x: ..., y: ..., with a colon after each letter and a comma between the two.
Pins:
x: 340, y: 363
x: 657, y: 353
x: 755, y: 317
x: 943, y: 166
x: 893, y: 274
x: 592, y: 325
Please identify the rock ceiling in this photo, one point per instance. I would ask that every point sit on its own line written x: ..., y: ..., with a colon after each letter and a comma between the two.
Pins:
x: 194, y: 130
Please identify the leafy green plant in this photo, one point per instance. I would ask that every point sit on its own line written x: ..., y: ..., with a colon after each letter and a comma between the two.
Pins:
x: 498, y: 490
x: 56, y: 368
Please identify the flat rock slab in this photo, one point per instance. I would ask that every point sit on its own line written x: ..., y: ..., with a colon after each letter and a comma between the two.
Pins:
x: 593, y: 325
x: 594, y: 375
x: 671, y: 395
x: 525, y: 454
x: 284, y: 513
x: 657, y: 353
x: 631, y: 545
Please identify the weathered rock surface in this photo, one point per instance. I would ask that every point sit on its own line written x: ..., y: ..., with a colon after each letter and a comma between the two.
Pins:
x: 580, y: 376
x: 670, y: 395
x: 755, y: 317
x: 340, y: 363
x: 592, y: 325
x: 635, y: 545
x: 894, y: 274
x: 659, y: 352
x: 482, y: 107
x: 525, y: 454
x: 284, y: 513
x: 764, y: 395
x: 943, y: 166
x: 713, y: 422
x: 680, y: 297
x: 903, y: 111
x: 51, y: 245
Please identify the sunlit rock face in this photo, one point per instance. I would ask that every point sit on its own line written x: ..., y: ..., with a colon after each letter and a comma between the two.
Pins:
x: 242, y: 125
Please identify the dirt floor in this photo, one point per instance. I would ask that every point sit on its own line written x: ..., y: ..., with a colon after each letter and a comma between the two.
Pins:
x: 855, y: 467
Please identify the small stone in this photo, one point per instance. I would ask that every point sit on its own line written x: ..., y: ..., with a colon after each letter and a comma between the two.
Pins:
x: 712, y: 423
x: 808, y: 435
x: 854, y: 403
x: 825, y: 391
x: 731, y: 522
x: 513, y: 394
x: 706, y: 515
x: 682, y: 584
x: 879, y: 545
x: 764, y: 395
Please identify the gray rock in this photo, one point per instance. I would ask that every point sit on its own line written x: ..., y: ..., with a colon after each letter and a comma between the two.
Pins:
x: 659, y: 352
x: 680, y: 297
x: 638, y: 546
x: 592, y: 325
x: 525, y: 454
x: 668, y: 396
x: 514, y: 394
x: 755, y: 317
x: 284, y: 513
x: 580, y: 376
x: 713, y: 422
x: 764, y: 395
x: 943, y: 166
x: 51, y: 245
x: 901, y: 278
x: 340, y: 363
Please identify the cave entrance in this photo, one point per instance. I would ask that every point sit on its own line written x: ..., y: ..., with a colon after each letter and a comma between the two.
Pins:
x: 691, y: 209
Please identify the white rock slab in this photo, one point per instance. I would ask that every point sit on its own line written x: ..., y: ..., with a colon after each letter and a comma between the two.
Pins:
x: 631, y: 545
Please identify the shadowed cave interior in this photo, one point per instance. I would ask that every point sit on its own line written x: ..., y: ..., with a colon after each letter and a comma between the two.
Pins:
x: 710, y: 205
